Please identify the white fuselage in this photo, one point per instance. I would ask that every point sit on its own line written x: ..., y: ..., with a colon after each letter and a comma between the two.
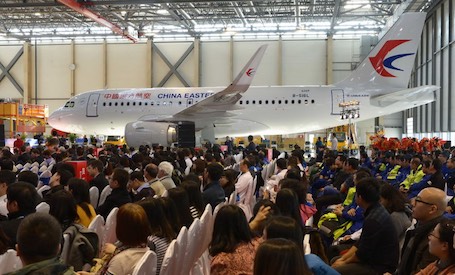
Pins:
x: 260, y: 111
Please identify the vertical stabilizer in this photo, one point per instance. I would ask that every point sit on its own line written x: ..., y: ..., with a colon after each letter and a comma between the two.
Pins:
x: 243, y: 80
x: 390, y: 63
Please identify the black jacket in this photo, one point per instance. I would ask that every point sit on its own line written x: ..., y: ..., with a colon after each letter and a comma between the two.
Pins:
x: 100, y: 182
x: 415, y: 254
x: 117, y: 198
x: 213, y: 194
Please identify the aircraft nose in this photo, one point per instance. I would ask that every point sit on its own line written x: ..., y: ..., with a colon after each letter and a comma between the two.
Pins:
x: 54, y: 119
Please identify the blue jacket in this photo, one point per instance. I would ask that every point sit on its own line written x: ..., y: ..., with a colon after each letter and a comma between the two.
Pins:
x: 417, y: 187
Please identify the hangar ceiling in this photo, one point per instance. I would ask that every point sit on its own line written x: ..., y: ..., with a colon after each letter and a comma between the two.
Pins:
x: 142, y: 19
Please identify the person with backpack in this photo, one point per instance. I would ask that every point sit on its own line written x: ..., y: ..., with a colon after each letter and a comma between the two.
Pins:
x: 38, y: 239
x: 83, y: 243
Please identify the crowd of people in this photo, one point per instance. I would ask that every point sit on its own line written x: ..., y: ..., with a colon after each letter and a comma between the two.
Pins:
x: 384, y: 213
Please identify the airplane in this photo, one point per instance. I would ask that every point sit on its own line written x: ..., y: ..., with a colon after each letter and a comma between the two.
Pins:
x: 379, y: 85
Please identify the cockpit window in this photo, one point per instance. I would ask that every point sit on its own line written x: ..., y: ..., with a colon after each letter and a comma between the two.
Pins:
x: 69, y: 104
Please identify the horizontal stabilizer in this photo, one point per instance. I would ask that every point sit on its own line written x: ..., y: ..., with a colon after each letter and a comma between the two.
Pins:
x: 417, y: 96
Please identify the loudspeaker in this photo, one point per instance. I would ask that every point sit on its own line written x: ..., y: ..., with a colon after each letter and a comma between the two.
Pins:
x: 186, y: 132
x: 2, y: 135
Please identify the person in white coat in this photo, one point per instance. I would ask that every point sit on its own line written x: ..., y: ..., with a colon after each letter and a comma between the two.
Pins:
x: 244, y: 187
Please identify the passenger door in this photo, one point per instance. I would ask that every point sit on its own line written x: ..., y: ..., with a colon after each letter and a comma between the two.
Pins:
x: 92, y: 105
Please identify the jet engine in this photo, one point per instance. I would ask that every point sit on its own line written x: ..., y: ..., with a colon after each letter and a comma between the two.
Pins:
x: 150, y: 133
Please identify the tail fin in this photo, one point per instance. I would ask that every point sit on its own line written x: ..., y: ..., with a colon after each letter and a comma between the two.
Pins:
x: 243, y: 80
x: 390, y: 63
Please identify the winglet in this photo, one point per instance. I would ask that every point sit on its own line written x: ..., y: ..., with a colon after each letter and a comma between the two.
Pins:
x: 243, y: 80
x: 390, y: 63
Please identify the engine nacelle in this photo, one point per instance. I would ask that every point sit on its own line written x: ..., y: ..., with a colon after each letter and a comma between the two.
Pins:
x: 150, y: 133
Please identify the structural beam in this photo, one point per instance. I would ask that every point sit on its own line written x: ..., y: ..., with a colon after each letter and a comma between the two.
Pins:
x: 80, y: 8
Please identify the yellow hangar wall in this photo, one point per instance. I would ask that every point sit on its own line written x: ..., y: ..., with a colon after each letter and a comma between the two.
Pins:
x: 64, y: 70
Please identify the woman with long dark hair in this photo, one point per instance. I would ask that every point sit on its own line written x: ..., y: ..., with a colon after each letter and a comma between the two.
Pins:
x: 193, y: 189
x: 181, y: 201
x: 132, y: 231
x: 395, y: 203
x: 79, y: 188
x: 161, y: 231
x: 63, y: 208
x: 233, y: 247
x: 280, y: 256
x: 288, y: 228
x: 287, y: 202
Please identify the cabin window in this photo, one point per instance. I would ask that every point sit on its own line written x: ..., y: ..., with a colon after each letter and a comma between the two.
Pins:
x: 145, y: 103
x: 273, y: 101
x: 312, y: 101
x: 110, y: 103
x: 286, y: 101
x: 241, y: 102
x: 140, y: 103
x: 134, y: 103
x: 254, y: 102
x: 180, y: 103
x: 121, y: 103
x: 266, y: 102
x: 292, y: 101
x: 104, y: 103
x: 260, y: 101
x: 152, y: 103
x: 300, y: 101
x: 128, y: 103
x: 116, y: 103
x: 306, y: 101
x: 279, y: 101
x: 247, y: 102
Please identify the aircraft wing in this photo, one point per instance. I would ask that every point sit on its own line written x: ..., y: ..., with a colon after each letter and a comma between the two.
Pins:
x: 415, y: 96
x: 220, y: 103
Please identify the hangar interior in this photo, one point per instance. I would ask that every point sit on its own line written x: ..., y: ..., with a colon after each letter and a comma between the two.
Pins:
x: 51, y: 50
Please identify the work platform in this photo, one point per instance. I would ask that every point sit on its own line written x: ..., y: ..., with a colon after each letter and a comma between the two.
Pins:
x: 24, y: 118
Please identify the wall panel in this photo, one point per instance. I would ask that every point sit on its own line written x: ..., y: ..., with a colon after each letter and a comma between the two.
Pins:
x: 89, y: 67
x: 127, y: 64
x: 215, y: 64
x: 53, y: 71
x: 305, y: 62
x: 267, y: 72
x: 345, y: 55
